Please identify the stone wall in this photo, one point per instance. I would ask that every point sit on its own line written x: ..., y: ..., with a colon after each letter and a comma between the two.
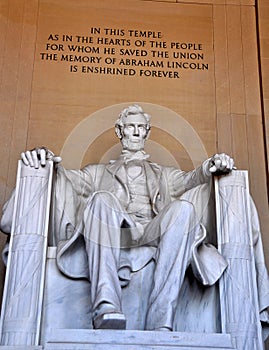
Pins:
x: 62, y: 83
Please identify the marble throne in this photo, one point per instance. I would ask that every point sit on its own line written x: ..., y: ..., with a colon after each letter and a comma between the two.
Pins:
x: 43, y: 309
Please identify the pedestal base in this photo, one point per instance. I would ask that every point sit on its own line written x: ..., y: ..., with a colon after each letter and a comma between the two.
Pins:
x: 78, y: 339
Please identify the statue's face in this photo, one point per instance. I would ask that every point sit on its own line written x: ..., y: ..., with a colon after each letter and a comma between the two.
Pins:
x: 134, y: 132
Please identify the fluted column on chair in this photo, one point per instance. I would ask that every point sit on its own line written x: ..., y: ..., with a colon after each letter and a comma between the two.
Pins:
x: 238, y: 287
x: 23, y: 292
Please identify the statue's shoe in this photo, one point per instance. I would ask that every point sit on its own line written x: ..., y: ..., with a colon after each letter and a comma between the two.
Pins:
x: 112, y: 320
x: 163, y: 329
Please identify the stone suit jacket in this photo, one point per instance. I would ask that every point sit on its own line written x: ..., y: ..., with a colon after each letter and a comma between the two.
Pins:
x: 74, y: 188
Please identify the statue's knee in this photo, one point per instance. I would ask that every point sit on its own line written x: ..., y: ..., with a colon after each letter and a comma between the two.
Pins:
x: 181, y: 205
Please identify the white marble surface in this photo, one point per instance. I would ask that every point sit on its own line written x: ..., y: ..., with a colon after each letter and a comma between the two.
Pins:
x: 136, y: 340
x: 94, y: 208
x: 238, y: 290
x: 24, y: 284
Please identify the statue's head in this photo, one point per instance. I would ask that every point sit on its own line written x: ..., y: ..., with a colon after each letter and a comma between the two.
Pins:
x: 132, y: 128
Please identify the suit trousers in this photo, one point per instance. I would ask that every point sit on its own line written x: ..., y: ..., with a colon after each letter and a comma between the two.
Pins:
x: 172, y: 232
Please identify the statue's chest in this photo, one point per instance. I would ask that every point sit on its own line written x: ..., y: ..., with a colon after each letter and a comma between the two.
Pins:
x: 135, y: 171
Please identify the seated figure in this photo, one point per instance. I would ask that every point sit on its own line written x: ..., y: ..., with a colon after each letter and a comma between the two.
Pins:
x: 112, y: 219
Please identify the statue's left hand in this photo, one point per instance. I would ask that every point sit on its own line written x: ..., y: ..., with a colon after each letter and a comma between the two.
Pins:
x: 221, y: 164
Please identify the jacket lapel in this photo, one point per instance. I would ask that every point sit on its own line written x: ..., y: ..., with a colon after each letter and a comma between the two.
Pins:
x: 115, y: 176
x: 117, y: 170
x: 153, y: 175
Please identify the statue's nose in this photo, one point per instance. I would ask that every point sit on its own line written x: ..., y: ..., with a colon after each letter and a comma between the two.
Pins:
x: 136, y: 130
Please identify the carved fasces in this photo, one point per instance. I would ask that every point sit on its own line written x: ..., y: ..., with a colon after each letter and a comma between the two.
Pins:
x: 23, y: 291
x: 238, y: 288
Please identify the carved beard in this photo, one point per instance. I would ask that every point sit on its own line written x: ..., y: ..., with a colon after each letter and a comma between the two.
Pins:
x: 133, y: 146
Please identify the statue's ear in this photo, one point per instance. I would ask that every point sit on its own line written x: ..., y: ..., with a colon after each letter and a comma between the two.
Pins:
x: 118, y: 131
x: 148, y: 133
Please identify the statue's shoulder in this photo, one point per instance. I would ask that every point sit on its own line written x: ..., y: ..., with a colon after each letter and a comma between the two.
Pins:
x: 154, y: 165
x: 164, y: 169
x: 93, y: 169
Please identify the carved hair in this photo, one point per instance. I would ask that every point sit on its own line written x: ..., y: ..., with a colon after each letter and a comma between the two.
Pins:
x: 131, y: 110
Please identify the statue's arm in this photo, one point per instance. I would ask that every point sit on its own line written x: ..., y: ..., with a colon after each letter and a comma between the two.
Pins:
x: 7, y: 215
x: 181, y: 181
